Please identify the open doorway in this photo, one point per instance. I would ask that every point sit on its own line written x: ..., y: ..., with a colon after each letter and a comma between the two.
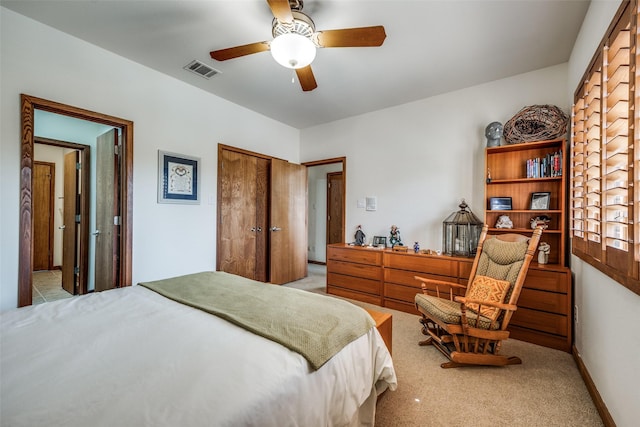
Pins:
x: 60, y: 195
x: 123, y: 191
x: 326, y: 194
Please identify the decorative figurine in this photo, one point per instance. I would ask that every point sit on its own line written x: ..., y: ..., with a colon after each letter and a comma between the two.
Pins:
x: 542, y: 220
x: 493, y: 132
x: 488, y: 175
x: 360, y: 237
x: 416, y: 247
x: 394, y: 236
x: 504, y: 222
x: 543, y: 253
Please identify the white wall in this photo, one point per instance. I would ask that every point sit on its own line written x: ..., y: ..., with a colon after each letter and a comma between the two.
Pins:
x: 167, y: 114
x: 420, y: 159
x: 607, y: 334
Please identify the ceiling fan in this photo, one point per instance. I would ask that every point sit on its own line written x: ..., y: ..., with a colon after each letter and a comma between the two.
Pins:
x: 295, y: 40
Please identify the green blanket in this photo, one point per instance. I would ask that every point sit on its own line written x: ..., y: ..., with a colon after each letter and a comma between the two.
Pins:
x: 313, y: 325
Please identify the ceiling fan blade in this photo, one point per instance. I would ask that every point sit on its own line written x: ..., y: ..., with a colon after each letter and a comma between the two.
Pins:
x: 306, y: 78
x: 352, y: 37
x: 281, y: 10
x: 237, y: 51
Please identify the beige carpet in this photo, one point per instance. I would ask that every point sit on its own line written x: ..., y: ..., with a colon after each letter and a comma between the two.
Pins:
x: 546, y: 390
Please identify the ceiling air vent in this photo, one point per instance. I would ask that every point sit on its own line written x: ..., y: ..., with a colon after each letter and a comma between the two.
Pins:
x: 201, y: 69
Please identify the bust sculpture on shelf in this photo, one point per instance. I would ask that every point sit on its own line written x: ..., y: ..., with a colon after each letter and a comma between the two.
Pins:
x: 493, y: 132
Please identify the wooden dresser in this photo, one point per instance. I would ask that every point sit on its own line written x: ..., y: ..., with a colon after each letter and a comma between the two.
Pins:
x: 355, y: 273
x: 386, y: 278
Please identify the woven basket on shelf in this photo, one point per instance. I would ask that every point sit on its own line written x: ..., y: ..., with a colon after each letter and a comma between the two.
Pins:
x: 536, y: 123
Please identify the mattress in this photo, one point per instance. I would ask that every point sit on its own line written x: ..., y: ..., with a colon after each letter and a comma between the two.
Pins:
x: 131, y: 357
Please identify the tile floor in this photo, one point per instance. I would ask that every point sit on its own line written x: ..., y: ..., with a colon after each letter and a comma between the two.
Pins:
x: 47, y: 286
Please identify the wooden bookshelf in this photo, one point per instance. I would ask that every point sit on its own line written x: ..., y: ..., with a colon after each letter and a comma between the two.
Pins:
x: 507, y: 166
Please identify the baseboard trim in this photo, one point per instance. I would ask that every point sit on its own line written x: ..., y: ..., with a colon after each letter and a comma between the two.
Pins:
x: 317, y: 262
x: 593, y: 390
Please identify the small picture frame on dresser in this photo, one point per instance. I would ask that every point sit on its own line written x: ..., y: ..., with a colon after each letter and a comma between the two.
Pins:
x: 500, y: 203
x: 379, y: 241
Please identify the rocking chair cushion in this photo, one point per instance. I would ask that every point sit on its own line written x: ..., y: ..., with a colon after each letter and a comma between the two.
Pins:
x: 448, y: 311
x: 485, y: 288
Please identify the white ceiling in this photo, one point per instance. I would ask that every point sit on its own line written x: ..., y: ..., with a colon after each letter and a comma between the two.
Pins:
x: 432, y: 47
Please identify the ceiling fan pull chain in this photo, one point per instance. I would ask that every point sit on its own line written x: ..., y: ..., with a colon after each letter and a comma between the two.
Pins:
x: 293, y: 75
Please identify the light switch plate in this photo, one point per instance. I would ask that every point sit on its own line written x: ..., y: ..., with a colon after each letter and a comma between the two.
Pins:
x: 372, y: 203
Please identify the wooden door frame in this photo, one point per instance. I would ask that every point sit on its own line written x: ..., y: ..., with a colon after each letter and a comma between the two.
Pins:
x: 28, y: 104
x: 343, y: 161
x: 85, y: 176
x: 52, y: 192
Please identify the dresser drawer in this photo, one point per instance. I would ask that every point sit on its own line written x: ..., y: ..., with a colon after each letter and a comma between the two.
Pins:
x: 400, y: 293
x: 547, y: 280
x: 464, y: 270
x: 373, y: 287
x: 540, y: 321
x: 356, y: 255
x: 358, y: 296
x: 358, y: 270
x: 544, y: 301
x: 405, y: 277
x: 422, y: 264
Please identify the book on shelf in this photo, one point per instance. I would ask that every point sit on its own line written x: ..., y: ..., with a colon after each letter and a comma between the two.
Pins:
x: 544, y: 167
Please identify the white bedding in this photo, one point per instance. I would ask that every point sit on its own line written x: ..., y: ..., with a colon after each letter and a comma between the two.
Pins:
x: 130, y: 357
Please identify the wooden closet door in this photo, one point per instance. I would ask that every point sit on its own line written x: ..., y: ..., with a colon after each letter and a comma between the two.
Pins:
x: 237, y: 228
x: 262, y: 219
x: 288, y: 231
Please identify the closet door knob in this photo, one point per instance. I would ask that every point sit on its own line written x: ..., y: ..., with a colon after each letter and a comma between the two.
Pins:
x: 274, y: 228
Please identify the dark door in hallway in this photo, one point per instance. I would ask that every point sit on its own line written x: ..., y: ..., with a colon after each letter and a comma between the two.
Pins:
x: 335, y: 185
x: 43, y: 204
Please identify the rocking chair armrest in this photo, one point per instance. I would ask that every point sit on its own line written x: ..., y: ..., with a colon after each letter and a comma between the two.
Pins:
x: 438, y: 283
x: 501, y: 306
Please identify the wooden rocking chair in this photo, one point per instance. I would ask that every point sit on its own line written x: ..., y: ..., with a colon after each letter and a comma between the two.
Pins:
x: 469, y: 329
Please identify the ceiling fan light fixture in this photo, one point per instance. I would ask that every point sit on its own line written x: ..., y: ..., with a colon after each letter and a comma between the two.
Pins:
x: 293, y: 50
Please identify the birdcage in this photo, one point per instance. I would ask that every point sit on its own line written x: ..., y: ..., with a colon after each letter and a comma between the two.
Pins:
x: 461, y: 232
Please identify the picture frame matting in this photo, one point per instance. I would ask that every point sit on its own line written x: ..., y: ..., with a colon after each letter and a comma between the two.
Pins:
x: 178, y: 178
x: 540, y: 200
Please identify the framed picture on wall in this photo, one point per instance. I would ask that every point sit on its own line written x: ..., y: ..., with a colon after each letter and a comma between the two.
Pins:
x: 540, y: 201
x: 178, y: 178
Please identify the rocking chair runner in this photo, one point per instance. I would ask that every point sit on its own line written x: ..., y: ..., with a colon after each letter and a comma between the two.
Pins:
x: 469, y: 329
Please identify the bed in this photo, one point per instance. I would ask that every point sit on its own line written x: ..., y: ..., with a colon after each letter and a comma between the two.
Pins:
x: 135, y: 357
